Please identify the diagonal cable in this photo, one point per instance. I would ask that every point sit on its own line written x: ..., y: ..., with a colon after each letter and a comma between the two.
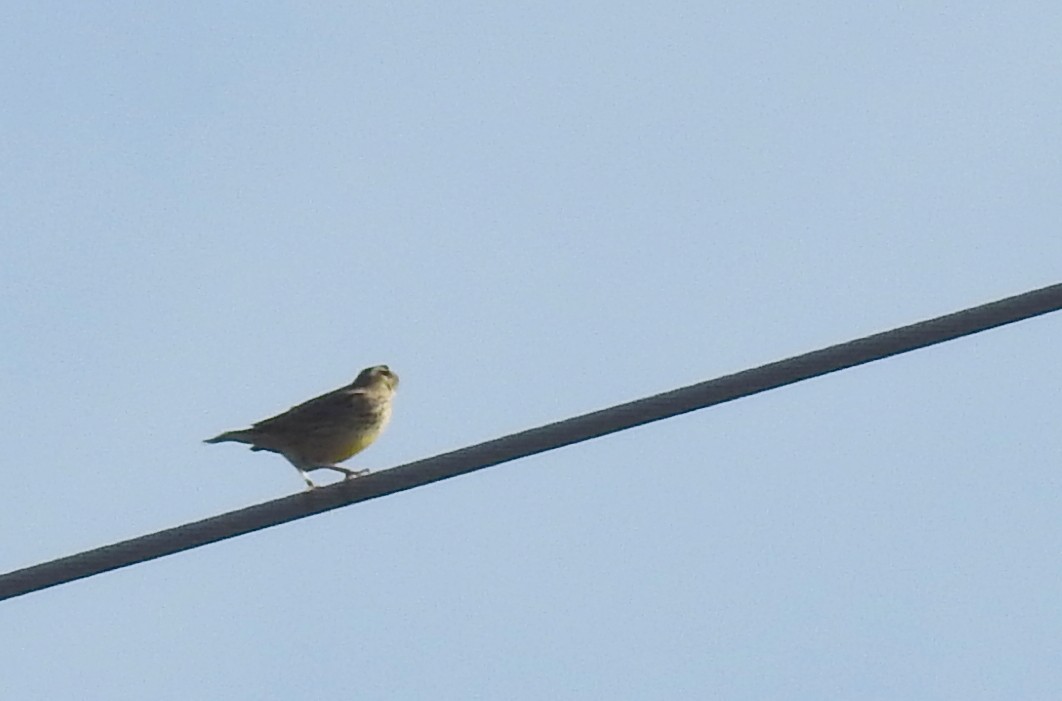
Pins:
x: 532, y: 441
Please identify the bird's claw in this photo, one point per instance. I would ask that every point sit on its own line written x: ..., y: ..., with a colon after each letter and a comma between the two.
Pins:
x: 351, y: 474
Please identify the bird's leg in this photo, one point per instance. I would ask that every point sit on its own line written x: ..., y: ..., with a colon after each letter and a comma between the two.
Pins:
x: 309, y: 483
x: 303, y: 469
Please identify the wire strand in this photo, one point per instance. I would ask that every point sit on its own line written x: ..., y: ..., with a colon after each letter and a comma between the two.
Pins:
x: 532, y: 441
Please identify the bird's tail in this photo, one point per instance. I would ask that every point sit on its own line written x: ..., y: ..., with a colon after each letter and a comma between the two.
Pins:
x: 244, y: 436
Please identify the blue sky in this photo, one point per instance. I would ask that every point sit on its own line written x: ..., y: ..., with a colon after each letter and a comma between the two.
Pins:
x: 531, y: 210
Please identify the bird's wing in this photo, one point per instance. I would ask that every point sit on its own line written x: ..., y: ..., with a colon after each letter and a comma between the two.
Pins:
x: 314, y: 412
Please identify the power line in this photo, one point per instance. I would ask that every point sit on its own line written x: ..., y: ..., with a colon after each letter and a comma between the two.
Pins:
x: 530, y: 442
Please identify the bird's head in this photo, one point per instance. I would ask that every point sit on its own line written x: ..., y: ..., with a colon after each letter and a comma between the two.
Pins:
x: 378, y: 376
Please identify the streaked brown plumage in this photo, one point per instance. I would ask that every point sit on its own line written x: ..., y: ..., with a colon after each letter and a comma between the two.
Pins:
x: 328, y: 429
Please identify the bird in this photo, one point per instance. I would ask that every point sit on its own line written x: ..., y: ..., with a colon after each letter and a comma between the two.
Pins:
x: 328, y: 429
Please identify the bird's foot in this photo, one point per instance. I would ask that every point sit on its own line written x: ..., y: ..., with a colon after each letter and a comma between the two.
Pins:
x: 351, y: 474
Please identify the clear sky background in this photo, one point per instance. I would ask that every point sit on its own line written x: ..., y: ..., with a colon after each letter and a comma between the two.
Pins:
x: 212, y: 211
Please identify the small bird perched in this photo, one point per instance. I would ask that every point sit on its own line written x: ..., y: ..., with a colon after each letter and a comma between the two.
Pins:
x: 328, y: 429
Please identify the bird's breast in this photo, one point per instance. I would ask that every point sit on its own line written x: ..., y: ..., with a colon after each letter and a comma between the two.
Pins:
x: 361, y: 434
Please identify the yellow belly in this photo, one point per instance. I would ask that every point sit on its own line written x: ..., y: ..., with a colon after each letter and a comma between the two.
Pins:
x: 329, y: 450
x: 354, y: 445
